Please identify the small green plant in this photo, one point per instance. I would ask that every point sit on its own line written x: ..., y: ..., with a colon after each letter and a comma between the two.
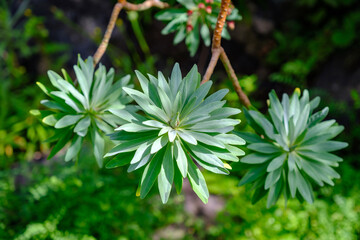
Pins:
x: 77, y: 112
x: 194, y: 20
x: 292, y: 150
x: 179, y: 125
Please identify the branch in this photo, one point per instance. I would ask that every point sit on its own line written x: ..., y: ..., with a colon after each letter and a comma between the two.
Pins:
x: 218, y: 51
x: 220, y: 23
x: 114, y: 15
x: 213, y: 61
x: 216, y: 42
x: 104, y: 43
x: 231, y: 73
x: 145, y: 5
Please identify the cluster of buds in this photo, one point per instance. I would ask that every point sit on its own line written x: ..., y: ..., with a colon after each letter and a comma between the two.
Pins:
x: 207, y: 8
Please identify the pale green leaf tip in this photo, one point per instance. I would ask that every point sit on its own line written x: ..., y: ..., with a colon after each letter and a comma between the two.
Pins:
x: 34, y: 112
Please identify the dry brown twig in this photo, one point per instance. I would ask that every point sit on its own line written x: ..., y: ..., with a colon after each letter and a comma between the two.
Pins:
x: 123, y: 4
x: 219, y: 52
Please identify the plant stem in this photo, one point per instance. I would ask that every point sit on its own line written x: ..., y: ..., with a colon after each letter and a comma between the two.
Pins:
x: 115, y: 13
x: 145, y: 5
x: 220, y: 24
x: 218, y: 51
x: 213, y: 61
x: 104, y: 43
x: 231, y: 73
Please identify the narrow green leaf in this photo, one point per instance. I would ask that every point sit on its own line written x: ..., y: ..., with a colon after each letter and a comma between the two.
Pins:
x: 250, y: 137
x: 99, y: 145
x: 230, y: 139
x: 60, y: 143
x: 253, y: 174
x: 274, y: 193
x: 304, y: 187
x: 175, y: 79
x: 68, y: 120
x: 328, y: 146
x: 139, y: 164
x: 120, y: 160
x: 180, y: 35
x: 256, y: 158
x: 181, y: 159
x: 276, y: 163
x: 205, y: 34
x: 82, y: 125
x: 74, y: 149
x: 272, y: 178
x: 267, y: 148
x: 158, y: 144
x: 166, y: 174
x: 317, y: 117
x: 205, y: 155
x: 263, y: 123
x: 208, y: 139
x: 151, y: 172
x: 291, y: 161
x: 131, y: 145
x: 178, y: 180
x: 142, y: 151
x: 187, y: 137
x: 275, y: 104
x: 198, y: 182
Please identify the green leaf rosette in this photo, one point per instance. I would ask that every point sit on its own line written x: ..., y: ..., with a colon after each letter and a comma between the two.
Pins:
x: 77, y: 112
x: 291, y: 150
x: 178, y: 130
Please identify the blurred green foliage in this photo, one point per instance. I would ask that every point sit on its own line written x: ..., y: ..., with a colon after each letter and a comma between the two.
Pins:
x: 333, y: 216
x: 306, y: 41
x: 42, y: 201
x: 23, y: 36
x: 54, y: 201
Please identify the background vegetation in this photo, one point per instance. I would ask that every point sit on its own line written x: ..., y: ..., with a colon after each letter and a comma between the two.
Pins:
x: 275, y: 46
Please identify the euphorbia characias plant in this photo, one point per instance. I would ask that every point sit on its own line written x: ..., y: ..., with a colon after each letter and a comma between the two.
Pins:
x: 291, y: 149
x: 77, y: 112
x: 179, y: 128
x: 176, y: 128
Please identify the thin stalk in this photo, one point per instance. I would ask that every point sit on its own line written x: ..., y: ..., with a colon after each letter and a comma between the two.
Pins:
x: 231, y: 73
x: 115, y: 14
x: 104, y: 43
x: 219, y: 52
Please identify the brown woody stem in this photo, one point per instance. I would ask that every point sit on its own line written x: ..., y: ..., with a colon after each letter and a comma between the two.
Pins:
x: 216, y: 42
x: 115, y: 13
x: 218, y: 51
x: 213, y: 61
x: 145, y: 5
x: 105, y: 41
x: 220, y: 23
x: 231, y: 73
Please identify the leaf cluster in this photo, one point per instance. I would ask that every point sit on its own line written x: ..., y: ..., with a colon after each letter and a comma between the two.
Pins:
x: 179, y: 127
x: 84, y: 110
x: 292, y: 152
x: 194, y: 20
